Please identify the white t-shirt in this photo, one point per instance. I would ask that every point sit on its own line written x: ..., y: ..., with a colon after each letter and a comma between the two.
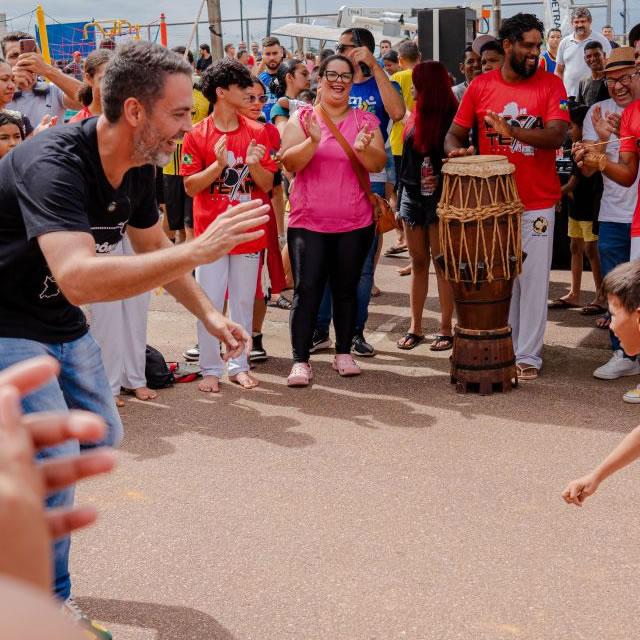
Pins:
x: 618, y: 203
x: 571, y: 55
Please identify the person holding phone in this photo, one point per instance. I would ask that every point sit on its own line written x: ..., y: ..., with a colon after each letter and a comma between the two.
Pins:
x: 33, y: 98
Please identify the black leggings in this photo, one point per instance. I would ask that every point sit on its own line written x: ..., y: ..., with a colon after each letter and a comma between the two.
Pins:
x: 316, y: 257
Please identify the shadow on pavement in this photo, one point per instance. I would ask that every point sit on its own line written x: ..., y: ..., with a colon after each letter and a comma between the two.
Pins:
x: 169, y: 623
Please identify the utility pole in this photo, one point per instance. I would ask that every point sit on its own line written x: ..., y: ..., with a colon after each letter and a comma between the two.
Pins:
x: 496, y: 15
x: 624, y: 18
x: 269, y: 14
x: 215, y: 27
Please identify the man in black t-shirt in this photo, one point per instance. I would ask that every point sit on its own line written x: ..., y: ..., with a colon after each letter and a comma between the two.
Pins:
x: 69, y: 194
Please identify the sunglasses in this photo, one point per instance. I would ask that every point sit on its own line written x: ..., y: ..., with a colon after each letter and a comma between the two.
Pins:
x: 261, y: 99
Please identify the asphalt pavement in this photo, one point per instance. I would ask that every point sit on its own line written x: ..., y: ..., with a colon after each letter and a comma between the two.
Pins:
x: 381, y: 507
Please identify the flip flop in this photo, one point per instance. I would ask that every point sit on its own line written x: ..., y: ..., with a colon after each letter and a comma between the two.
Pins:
x: 409, y: 341
x: 447, y: 340
x: 394, y: 251
x: 603, y: 321
x: 593, y: 309
x: 526, y: 372
x: 559, y: 303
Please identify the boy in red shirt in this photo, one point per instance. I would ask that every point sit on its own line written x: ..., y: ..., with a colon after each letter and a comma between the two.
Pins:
x: 521, y: 113
x: 225, y: 162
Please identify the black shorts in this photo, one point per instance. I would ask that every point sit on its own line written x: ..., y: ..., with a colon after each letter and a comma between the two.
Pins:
x: 179, y: 204
x: 418, y: 210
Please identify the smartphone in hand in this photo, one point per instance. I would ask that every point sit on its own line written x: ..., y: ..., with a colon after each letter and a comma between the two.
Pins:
x: 28, y: 45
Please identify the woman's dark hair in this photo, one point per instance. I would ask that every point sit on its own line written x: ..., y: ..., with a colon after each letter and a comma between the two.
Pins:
x: 435, y: 105
x: 392, y: 56
x: 224, y: 73
x: 92, y: 63
x: 278, y: 85
x: 330, y: 59
x: 257, y: 80
x: 180, y: 51
x: 13, y: 117
x: 513, y: 28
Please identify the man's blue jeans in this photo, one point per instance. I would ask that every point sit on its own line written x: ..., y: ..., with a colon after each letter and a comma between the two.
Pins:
x: 614, y: 246
x: 364, y: 286
x: 82, y: 384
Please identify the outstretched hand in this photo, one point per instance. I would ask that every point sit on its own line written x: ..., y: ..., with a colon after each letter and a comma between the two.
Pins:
x: 27, y: 528
x: 579, y: 490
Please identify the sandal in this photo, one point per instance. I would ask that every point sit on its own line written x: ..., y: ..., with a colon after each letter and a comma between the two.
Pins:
x: 395, y: 250
x: 526, y: 372
x: 603, y: 321
x: 119, y: 401
x: 301, y: 374
x: 409, y: 341
x: 283, y: 303
x: 441, y: 343
x: 345, y: 365
x: 593, y: 309
x: 561, y: 303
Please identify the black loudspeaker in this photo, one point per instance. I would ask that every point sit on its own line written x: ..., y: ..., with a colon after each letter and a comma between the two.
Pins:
x: 443, y: 35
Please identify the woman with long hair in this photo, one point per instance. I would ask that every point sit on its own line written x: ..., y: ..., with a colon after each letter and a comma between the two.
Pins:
x: 292, y: 78
x: 94, y: 68
x: 424, y: 136
x: 331, y: 221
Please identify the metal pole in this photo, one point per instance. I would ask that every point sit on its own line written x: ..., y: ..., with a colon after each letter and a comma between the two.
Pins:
x: 609, y: 13
x: 269, y: 14
x: 496, y: 14
x: 624, y: 20
x: 215, y: 27
x: 242, y: 22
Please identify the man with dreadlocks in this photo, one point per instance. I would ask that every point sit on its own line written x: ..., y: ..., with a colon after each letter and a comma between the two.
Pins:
x: 521, y: 113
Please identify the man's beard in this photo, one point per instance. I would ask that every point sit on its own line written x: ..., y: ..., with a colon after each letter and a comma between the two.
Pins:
x: 273, y: 65
x: 146, y: 148
x: 520, y: 67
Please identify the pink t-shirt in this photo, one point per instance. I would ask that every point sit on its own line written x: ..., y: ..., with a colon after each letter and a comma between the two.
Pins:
x: 326, y: 196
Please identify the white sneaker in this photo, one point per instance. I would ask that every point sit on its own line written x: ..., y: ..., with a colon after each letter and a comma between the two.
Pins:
x: 617, y: 367
x: 632, y: 396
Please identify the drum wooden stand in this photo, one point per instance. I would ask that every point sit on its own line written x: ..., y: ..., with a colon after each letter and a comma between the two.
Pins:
x: 480, y: 238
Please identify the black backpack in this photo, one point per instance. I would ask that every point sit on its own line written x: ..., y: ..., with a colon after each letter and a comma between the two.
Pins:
x: 156, y: 370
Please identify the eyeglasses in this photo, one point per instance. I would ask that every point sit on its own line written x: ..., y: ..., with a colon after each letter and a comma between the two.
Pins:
x: 261, y: 99
x: 334, y: 76
x: 341, y: 48
x: 625, y: 80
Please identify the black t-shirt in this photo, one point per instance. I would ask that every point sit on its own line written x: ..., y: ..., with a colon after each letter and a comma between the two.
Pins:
x: 55, y: 182
x: 591, y: 91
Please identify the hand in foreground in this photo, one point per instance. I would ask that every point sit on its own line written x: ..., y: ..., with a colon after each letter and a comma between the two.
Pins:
x: 27, y: 529
x: 235, y: 226
x: 363, y: 139
x: 498, y: 124
x: 46, y: 123
x: 363, y: 54
x: 460, y: 152
x: 579, y: 490
x: 34, y: 63
x: 232, y: 335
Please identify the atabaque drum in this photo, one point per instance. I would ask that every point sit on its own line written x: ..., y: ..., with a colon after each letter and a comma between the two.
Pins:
x: 481, y: 243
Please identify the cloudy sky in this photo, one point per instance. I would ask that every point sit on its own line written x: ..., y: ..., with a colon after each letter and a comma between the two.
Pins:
x: 147, y: 11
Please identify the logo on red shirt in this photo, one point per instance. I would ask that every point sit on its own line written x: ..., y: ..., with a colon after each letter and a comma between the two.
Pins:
x: 517, y: 117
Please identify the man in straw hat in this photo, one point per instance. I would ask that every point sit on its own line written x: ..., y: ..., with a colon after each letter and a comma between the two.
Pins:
x: 521, y: 113
x: 610, y: 146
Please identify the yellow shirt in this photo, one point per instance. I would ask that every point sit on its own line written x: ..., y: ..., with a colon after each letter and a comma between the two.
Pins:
x: 403, y: 78
x: 199, y: 112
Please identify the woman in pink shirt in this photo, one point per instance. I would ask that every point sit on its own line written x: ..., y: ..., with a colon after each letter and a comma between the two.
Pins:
x: 331, y: 220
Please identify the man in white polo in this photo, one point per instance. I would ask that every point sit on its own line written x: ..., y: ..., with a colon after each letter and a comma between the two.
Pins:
x: 571, y: 66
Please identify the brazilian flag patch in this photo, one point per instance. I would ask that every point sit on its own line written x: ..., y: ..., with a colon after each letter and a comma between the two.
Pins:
x: 187, y: 159
x: 564, y: 105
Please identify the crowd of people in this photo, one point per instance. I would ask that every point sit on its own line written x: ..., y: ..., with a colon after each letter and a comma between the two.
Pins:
x: 175, y: 166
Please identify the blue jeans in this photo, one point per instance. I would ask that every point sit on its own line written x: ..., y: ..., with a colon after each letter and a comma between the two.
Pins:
x: 614, y: 246
x: 364, y: 286
x: 82, y: 384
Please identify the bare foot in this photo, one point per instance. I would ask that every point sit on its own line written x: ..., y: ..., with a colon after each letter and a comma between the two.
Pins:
x: 144, y: 393
x: 209, y: 384
x: 405, y: 271
x: 245, y: 380
x: 119, y: 401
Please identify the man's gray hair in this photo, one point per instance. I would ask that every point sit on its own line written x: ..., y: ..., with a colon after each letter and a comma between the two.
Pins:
x: 581, y: 12
x: 138, y: 70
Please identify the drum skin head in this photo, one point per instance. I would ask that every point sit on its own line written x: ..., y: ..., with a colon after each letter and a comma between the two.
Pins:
x: 478, y: 166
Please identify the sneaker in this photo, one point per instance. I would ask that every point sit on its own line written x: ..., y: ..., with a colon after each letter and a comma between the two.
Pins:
x: 320, y: 341
x: 301, y: 374
x: 360, y: 347
x: 257, y: 353
x: 632, y: 396
x: 193, y: 354
x: 92, y: 630
x: 617, y: 367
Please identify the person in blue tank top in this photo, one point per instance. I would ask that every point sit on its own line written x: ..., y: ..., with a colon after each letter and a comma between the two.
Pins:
x: 272, y: 55
x: 548, y: 58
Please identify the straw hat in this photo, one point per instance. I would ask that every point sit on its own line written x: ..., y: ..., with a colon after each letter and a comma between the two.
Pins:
x: 620, y: 58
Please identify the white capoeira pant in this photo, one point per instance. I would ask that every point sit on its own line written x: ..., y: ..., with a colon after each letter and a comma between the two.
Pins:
x: 528, y: 312
x: 120, y: 328
x: 239, y: 275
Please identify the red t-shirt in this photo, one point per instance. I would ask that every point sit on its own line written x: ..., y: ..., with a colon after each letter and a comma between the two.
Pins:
x: 529, y: 104
x: 83, y: 114
x: 234, y: 184
x: 630, y: 126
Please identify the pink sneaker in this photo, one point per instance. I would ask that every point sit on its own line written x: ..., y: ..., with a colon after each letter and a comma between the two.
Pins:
x: 345, y: 365
x: 301, y: 374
